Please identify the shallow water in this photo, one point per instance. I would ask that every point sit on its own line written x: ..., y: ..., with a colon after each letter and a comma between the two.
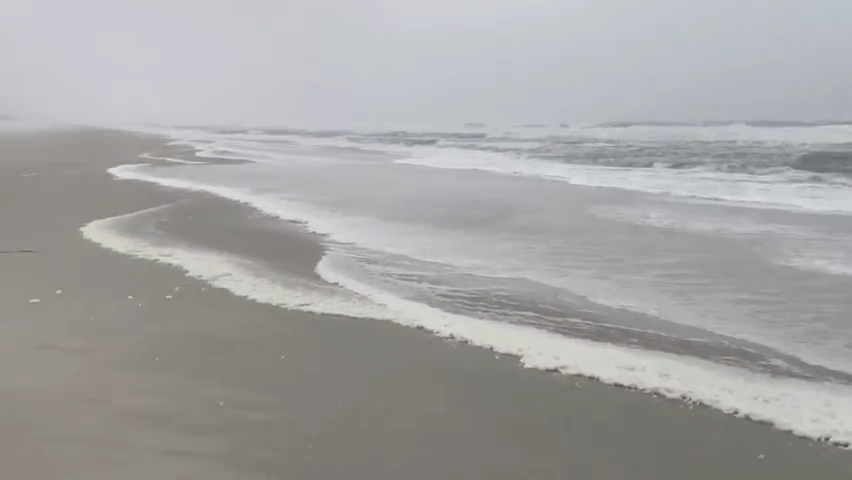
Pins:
x: 697, y: 241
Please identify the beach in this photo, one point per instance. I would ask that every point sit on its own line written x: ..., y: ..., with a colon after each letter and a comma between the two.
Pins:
x: 121, y: 367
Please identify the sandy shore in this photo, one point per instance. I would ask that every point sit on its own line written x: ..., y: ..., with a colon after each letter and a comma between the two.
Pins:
x: 95, y: 384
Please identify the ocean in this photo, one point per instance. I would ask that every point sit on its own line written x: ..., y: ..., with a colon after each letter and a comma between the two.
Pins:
x: 709, y: 262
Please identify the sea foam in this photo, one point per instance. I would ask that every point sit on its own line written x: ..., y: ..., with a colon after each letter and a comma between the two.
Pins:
x: 240, y: 276
x: 810, y: 409
x: 769, y: 191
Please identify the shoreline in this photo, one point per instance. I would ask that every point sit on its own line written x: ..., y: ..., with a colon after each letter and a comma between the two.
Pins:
x: 208, y: 385
x: 251, y: 272
x: 812, y: 408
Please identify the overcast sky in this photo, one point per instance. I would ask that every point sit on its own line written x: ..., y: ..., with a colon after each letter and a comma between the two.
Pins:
x: 425, y: 61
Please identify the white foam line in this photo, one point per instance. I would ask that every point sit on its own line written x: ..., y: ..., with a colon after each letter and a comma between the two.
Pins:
x: 132, y: 172
x: 238, y: 275
x: 148, y: 156
x: 770, y: 192
x: 811, y: 409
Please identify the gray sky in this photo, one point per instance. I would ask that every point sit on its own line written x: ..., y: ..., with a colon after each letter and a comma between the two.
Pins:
x: 425, y: 61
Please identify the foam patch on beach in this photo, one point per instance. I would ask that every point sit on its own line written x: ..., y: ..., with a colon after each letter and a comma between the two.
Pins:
x: 810, y: 409
x: 815, y: 410
x: 238, y: 275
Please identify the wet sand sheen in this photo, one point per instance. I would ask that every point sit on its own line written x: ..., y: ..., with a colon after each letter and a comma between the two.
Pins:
x: 207, y: 385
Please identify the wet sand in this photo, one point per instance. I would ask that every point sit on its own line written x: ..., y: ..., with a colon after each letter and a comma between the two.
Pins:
x: 97, y: 385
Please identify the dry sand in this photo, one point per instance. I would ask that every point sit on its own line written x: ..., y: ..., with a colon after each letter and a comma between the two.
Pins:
x: 210, y: 386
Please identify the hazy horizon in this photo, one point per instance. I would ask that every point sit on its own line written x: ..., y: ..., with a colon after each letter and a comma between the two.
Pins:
x: 334, y: 62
